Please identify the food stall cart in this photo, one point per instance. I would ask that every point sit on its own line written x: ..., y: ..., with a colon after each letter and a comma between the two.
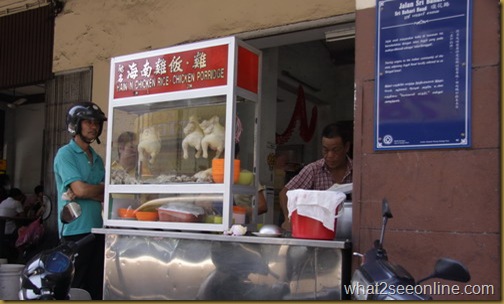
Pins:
x: 166, y: 222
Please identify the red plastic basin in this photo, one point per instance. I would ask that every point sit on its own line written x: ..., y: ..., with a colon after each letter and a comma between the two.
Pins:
x: 307, y: 228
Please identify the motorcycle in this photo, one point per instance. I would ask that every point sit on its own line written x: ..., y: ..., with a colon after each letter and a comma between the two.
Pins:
x: 49, y: 274
x: 379, y: 279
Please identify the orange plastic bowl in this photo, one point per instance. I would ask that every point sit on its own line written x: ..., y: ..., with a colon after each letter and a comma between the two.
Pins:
x: 147, y: 215
x: 126, y: 213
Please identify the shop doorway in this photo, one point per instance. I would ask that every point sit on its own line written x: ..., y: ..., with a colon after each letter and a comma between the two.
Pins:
x: 308, y: 82
x: 22, y: 134
x: 27, y: 35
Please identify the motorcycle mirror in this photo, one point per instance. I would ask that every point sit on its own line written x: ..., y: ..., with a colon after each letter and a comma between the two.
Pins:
x: 70, y: 212
x: 451, y: 270
x: 386, y: 209
x: 386, y: 213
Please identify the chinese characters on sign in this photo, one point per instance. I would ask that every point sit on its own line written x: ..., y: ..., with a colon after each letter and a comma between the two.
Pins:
x: 172, y: 72
x: 422, y: 97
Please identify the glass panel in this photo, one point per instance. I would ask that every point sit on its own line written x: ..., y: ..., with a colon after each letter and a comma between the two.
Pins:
x: 195, y: 208
x: 192, y: 208
x: 245, y: 137
x: 167, y: 144
x: 243, y: 207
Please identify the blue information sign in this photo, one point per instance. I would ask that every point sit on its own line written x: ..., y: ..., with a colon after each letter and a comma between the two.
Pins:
x: 423, y: 61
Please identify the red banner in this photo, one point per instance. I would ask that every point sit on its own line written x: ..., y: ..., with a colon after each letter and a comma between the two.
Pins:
x: 199, y: 68
x: 248, y: 69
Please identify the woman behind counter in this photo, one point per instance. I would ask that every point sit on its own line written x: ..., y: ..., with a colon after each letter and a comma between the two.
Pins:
x: 127, y: 153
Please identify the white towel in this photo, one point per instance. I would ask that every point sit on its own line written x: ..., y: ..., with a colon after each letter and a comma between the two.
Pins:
x: 316, y: 204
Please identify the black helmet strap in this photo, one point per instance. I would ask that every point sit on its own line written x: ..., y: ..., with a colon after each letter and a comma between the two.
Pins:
x: 89, y: 141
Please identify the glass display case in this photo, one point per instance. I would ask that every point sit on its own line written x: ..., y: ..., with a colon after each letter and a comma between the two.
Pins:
x: 182, y: 137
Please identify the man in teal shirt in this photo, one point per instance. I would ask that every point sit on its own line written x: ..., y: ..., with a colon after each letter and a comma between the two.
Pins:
x: 79, y: 174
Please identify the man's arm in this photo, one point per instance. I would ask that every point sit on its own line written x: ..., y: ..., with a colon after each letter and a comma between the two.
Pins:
x: 88, y: 191
x: 262, y: 206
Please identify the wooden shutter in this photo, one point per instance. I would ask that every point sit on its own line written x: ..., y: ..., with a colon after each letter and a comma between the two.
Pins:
x: 26, y: 48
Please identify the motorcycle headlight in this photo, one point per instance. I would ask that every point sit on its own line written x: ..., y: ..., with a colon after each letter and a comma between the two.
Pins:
x: 360, y: 286
x: 57, y: 262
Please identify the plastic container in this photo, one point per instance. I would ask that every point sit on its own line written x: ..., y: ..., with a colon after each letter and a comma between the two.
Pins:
x: 218, y: 170
x: 180, y: 212
x: 239, y: 214
x: 10, y: 284
x: 307, y: 228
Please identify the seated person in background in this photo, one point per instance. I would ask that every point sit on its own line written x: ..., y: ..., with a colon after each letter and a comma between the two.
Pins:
x: 31, y: 234
x: 12, y: 206
x: 41, y: 208
x: 334, y: 167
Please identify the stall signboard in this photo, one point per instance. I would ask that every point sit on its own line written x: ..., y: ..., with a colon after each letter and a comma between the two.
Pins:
x: 171, y: 70
x: 423, y: 61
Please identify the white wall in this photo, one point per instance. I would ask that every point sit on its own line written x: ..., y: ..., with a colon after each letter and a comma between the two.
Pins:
x: 268, y: 113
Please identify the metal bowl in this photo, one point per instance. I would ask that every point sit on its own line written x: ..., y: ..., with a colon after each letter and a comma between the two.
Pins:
x: 270, y: 229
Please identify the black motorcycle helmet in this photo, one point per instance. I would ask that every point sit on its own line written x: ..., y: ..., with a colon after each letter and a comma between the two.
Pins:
x: 84, y: 110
